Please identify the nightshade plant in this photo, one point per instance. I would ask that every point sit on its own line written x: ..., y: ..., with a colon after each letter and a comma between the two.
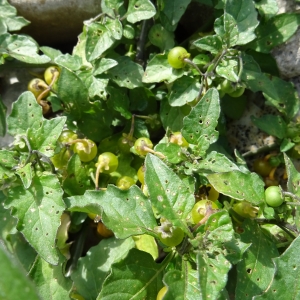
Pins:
x: 117, y: 87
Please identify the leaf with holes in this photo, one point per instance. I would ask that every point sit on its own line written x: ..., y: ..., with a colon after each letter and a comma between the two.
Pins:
x: 49, y: 280
x: 139, y: 10
x: 273, y: 125
x: 99, y: 39
x: 183, y: 91
x: 38, y: 210
x: 126, y: 213
x: 285, y: 284
x: 7, y: 162
x: 21, y: 48
x: 172, y: 11
x: 95, y: 266
x: 78, y: 180
x: 161, y: 37
x: 245, y: 16
x: 211, y: 43
x: 169, y: 196
x: 44, y: 137
x: 173, y: 152
x: 25, y: 114
x: 158, y: 70
x: 212, y: 273
x: 172, y: 117
x: 135, y: 277
x: 25, y: 174
x: 182, y: 283
x: 226, y: 27
x: 228, y: 68
x: 199, y: 126
x: 73, y: 93
x: 222, y: 238
x: 256, y: 270
x: 127, y: 73
x: 274, y: 32
x: 238, y: 185
x: 293, y: 184
x: 213, y: 162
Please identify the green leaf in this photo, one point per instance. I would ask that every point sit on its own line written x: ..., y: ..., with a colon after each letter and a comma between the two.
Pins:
x: 50, y: 281
x: 77, y: 180
x: 182, y: 285
x: 158, y: 70
x: 139, y: 10
x: 226, y: 27
x: 171, y: 13
x: 184, y: 90
x: 3, y: 110
x: 8, y: 16
x: 287, y: 99
x: 169, y: 196
x: 161, y: 37
x: 199, y: 126
x: 13, y: 281
x: 278, y: 92
x: 273, y: 125
x: 44, y: 137
x: 72, y: 92
x: 21, y: 48
x: 25, y: 174
x: 245, y: 15
x: 285, y: 283
x: 118, y: 101
x: 26, y: 113
x: 274, y: 32
x: 146, y: 243
x: 239, y: 185
x: 172, y: 117
x: 38, y: 210
x: 228, y: 68
x: 103, y: 64
x: 172, y: 152
x: 72, y: 62
x: 126, y: 213
x: 214, y: 162
x: 267, y: 8
x: 50, y: 52
x: 99, y: 39
x: 256, y: 270
x: 127, y: 73
x: 93, y: 268
x: 212, y: 274
x: 8, y: 160
x: 135, y: 277
x: 221, y: 235
x: 211, y: 43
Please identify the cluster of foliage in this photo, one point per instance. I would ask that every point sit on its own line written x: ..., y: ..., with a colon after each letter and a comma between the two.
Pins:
x: 120, y: 183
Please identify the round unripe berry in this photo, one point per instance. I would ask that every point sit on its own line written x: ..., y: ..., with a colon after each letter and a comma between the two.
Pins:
x: 125, y: 182
x: 141, y: 146
x: 50, y: 72
x: 108, y: 162
x: 141, y: 174
x: 176, y: 57
x: 239, y: 91
x: 262, y: 167
x: 199, y: 210
x: 174, y: 239
x: 37, y: 86
x: 273, y: 196
x: 177, y: 138
x: 86, y: 150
